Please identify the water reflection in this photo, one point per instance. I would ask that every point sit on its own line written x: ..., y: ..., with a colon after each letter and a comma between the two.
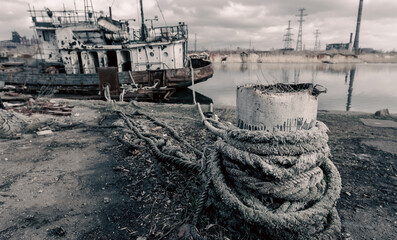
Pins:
x: 375, y: 86
x: 314, y: 76
x: 350, y: 91
x: 285, y: 75
x: 244, y: 67
x: 297, y: 74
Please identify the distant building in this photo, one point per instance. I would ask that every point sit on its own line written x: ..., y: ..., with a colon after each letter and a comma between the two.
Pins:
x: 338, y: 46
x: 368, y: 50
x: 16, y: 38
x: 341, y: 46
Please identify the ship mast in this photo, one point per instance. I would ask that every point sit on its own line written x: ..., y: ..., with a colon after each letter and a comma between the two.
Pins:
x: 143, y: 27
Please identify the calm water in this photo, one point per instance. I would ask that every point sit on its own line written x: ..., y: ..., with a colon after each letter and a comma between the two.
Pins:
x: 361, y: 87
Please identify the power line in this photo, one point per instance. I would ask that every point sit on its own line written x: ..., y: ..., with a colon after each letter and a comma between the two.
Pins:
x: 299, y: 40
x: 287, y: 37
x: 317, y: 41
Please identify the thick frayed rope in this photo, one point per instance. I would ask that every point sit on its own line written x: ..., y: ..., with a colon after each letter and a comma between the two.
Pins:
x: 10, y: 123
x: 250, y: 169
x: 282, y: 181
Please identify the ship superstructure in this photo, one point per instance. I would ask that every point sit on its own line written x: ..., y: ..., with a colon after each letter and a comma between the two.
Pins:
x: 74, y: 45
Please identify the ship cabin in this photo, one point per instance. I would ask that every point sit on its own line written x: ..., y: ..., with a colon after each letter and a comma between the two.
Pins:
x: 79, y: 42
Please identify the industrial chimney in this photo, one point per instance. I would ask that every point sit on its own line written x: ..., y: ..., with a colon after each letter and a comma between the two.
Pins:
x: 351, y: 42
x: 356, y: 39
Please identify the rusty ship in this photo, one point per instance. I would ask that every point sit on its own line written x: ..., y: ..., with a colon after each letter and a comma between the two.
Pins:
x: 85, y: 51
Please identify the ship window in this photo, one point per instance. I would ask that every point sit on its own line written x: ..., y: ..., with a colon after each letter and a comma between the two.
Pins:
x: 80, y: 62
x: 165, y: 54
x: 112, y: 58
x: 95, y: 58
x: 126, y: 56
x: 151, y: 54
x: 46, y: 36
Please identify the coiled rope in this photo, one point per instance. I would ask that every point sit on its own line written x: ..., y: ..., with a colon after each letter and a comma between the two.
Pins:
x: 10, y: 123
x: 173, y: 133
x: 282, y: 181
x: 160, y: 155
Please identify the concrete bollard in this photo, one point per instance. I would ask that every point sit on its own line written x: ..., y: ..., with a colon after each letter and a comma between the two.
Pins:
x: 279, y: 107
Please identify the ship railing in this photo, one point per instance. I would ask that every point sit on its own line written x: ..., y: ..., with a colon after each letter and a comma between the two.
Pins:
x: 48, y: 18
x: 162, y: 34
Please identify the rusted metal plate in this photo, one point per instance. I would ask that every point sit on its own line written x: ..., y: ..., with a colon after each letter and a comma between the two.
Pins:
x: 181, y: 78
x: 109, y: 76
x: 203, y: 72
x: 157, y: 76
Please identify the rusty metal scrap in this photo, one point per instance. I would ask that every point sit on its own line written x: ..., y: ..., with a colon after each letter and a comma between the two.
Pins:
x: 40, y: 106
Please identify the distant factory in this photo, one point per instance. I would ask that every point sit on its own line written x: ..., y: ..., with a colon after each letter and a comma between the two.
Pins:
x: 350, y: 46
x: 17, y: 40
x: 341, y: 46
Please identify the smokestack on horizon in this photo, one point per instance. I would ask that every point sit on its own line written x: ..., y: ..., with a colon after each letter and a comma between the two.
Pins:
x: 357, y: 37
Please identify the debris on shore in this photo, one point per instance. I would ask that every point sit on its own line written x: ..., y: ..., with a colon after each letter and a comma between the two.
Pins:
x: 10, y: 123
x: 27, y: 105
x: 158, y: 198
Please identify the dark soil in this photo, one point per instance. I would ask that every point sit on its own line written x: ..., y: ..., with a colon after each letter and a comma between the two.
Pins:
x: 368, y: 203
x: 82, y: 183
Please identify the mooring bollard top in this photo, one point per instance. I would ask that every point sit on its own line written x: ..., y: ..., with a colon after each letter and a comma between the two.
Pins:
x: 278, y: 107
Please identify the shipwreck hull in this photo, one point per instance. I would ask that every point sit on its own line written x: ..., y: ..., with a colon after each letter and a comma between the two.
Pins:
x: 32, y: 79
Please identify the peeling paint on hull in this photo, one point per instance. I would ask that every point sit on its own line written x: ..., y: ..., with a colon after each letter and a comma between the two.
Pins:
x: 175, y: 78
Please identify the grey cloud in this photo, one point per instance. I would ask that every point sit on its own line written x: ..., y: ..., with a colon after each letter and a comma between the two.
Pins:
x: 261, y: 21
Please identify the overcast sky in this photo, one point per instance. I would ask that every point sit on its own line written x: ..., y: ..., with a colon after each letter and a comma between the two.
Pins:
x: 234, y: 23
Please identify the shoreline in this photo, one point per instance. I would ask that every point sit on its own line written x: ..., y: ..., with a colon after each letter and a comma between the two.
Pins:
x: 328, y: 57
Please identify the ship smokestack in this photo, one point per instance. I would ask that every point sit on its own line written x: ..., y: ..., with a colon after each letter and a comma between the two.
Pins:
x: 357, y: 37
x: 351, y: 38
x: 110, y: 12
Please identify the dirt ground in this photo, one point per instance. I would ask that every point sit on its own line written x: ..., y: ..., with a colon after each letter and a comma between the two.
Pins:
x: 81, y: 182
x: 368, y: 203
x: 61, y: 184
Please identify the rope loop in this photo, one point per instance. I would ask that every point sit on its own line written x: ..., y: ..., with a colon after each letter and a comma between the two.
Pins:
x: 283, y: 181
